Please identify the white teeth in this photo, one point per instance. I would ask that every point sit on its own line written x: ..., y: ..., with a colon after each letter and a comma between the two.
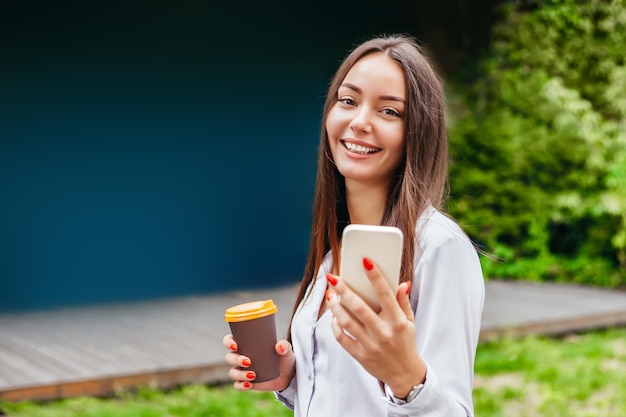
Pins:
x: 359, y: 149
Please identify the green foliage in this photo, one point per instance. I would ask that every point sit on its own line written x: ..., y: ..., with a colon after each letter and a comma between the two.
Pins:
x: 538, y: 140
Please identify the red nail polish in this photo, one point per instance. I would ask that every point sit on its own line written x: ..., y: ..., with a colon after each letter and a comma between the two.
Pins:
x: 408, y: 288
x: 331, y: 279
x: 246, y: 384
x: 233, y: 347
x: 368, y: 264
x: 328, y: 295
x: 250, y: 375
x: 246, y: 362
x: 281, y: 348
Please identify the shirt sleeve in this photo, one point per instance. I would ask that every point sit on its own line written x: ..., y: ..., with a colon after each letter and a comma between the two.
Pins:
x: 288, y: 395
x: 447, y: 297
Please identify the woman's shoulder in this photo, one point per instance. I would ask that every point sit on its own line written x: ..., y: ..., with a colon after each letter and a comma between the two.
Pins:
x: 434, y: 227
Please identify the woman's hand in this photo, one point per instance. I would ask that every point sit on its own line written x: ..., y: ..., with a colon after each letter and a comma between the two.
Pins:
x: 244, y: 379
x: 384, y: 343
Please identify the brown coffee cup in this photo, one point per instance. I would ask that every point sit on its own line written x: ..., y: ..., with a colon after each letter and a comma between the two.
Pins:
x: 253, y: 326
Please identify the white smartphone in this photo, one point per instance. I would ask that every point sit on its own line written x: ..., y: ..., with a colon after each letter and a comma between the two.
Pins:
x: 382, y: 245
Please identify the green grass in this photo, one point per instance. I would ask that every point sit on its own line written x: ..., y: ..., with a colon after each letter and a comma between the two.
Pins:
x: 576, y: 376
x: 188, y: 401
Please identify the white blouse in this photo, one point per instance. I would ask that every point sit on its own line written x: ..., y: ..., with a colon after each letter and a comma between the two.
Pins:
x: 447, y: 297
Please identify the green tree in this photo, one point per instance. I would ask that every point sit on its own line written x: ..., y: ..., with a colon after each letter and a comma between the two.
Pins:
x: 538, y: 172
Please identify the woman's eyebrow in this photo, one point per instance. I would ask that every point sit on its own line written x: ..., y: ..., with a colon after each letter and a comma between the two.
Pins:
x: 392, y: 98
x: 352, y: 87
x: 383, y: 97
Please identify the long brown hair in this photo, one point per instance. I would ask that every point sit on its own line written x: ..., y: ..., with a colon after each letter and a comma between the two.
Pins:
x: 421, y: 179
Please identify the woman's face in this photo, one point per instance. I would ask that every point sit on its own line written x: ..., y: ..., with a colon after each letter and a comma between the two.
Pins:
x: 366, y: 125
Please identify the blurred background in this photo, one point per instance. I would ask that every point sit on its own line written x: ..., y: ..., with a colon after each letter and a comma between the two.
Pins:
x: 156, y: 149
x: 159, y: 149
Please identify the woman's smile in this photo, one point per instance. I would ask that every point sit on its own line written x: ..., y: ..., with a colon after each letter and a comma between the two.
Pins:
x: 358, y: 149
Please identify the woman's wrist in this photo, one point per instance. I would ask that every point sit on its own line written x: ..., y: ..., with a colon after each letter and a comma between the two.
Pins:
x: 407, y: 382
x: 293, y: 375
x: 403, y: 392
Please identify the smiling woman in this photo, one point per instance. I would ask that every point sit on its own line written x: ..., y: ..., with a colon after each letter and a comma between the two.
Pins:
x: 382, y: 161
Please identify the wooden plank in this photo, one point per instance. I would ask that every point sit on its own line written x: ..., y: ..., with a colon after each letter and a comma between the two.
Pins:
x: 143, y: 343
x: 120, y: 348
x: 9, y: 374
x: 42, y: 347
x: 108, y: 386
x: 171, y: 340
x: 114, y: 345
x: 23, y: 369
x: 556, y: 327
x: 193, y: 315
x: 77, y: 361
x: 44, y: 392
x: 145, y: 332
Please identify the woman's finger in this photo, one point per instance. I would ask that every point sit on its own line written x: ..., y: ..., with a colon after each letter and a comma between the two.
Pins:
x: 235, y: 359
x: 346, y: 320
x: 386, y: 296
x: 229, y: 342
x: 243, y: 385
x: 346, y: 340
x: 404, y: 299
x: 353, y: 303
x: 238, y: 374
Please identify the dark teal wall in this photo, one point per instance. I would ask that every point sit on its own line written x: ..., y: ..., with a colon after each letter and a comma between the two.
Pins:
x: 162, y: 149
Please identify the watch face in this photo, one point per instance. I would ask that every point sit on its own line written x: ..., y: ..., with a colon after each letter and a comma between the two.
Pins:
x: 413, y: 393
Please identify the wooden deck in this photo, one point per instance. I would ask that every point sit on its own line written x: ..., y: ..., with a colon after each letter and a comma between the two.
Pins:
x: 98, y: 350
x: 101, y: 349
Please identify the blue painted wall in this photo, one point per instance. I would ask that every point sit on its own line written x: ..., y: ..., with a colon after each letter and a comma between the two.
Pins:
x: 155, y: 150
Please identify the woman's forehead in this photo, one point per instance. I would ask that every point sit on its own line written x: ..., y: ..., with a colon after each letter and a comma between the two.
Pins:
x: 376, y: 72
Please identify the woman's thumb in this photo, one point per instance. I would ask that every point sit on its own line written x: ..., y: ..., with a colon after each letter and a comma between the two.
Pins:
x: 283, y: 347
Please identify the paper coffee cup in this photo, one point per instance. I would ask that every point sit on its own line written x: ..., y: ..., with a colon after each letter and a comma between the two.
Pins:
x: 253, y: 326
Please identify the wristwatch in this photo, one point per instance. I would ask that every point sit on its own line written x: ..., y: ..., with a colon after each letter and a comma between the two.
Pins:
x: 410, y: 396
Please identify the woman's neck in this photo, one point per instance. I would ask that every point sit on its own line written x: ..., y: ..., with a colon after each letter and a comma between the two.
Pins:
x: 366, y: 202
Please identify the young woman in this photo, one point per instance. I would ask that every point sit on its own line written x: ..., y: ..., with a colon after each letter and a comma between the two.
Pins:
x: 383, y: 160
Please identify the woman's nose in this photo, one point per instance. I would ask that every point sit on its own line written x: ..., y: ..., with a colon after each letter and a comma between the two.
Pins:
x: 361, y: 121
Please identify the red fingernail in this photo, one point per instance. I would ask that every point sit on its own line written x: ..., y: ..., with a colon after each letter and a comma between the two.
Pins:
x: 232, y: 347
x: 246, y: 362
x: 281, y: 348
x: 250, y: 375
x: 368, y: 264
x: 408, y: 288
x: 246, y: 384
x: 329, y: 295
x: 331, y: 279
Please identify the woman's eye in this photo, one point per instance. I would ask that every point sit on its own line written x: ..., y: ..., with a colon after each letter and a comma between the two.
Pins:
x: 391, y: 112
x: 347, y: 101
